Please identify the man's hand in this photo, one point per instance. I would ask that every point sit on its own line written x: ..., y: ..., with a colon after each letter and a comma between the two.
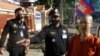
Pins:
x: 24, y: 42
x: 2, y: 49
x: 20, y: 41
x: 27, y: 42
x: 26, y: 49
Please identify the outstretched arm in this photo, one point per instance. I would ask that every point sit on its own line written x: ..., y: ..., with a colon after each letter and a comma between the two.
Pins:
x: 40, y: 36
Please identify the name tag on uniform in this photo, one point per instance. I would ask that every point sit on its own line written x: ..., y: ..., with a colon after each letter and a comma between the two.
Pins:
x: 64, y: 36
x: 21, y: 34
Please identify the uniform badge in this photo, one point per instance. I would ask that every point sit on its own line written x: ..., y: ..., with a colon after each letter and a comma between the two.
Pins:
x: 52, y: 33
x: 53, y: 40
x: 14, y: 25
x: 15, y: 31
x: 23, y: 27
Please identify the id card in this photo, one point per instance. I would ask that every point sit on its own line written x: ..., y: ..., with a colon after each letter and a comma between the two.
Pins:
x: 21, y: 34
x: 64, y: 36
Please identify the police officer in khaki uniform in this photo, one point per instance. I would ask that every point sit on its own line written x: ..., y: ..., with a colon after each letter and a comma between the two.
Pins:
x: 17, y: 30
x: 55, y: 35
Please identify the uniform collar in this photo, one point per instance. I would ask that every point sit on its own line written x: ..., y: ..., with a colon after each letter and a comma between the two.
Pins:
x: 55, y: 26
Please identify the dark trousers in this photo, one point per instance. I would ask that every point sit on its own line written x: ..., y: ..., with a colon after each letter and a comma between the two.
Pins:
x: 54, y: 55
x: 50, y: 54
x: 17, y: 51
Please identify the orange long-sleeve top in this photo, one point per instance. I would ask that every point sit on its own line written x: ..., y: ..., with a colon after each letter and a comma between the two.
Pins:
x: 90, y: 46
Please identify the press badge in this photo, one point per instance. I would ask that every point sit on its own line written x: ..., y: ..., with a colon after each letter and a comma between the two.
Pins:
x: 64, y: 36
x: 21, y: 34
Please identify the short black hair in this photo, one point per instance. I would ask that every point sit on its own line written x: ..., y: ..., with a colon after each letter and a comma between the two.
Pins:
x: 18, y: 9
x: 52, y: 14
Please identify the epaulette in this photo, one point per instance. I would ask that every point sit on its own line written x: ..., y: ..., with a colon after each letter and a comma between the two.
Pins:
x: 45, y: 26
x: 9, y: 21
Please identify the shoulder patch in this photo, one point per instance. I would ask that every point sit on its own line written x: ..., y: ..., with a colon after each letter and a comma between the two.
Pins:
x: 52, y: 33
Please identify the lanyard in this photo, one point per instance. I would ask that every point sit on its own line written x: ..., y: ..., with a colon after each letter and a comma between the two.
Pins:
x: 21, y: 25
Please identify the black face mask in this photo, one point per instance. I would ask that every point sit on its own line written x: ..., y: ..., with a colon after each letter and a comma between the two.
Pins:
x: 18, y: 17
x: 54, y: 21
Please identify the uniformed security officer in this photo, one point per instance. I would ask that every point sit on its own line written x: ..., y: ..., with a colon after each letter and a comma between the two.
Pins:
x: 55, y: 35
x: 17, y: 30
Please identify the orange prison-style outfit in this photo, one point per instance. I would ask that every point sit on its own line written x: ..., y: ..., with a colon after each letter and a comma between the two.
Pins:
x: 88, y: 47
